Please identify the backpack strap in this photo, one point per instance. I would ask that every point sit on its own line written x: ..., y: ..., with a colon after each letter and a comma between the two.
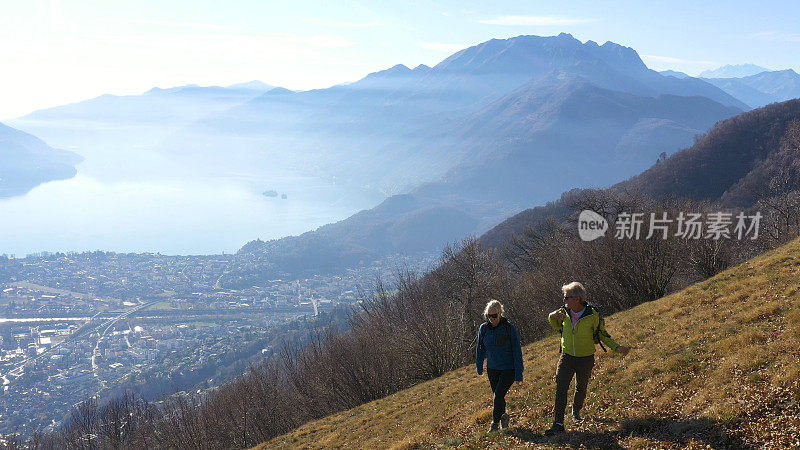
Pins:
x: 599, y: 325
x: 486, y: 326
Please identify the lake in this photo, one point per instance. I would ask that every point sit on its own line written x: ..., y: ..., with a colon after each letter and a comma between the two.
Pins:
x: 179, y: 214
x: 133, y: 193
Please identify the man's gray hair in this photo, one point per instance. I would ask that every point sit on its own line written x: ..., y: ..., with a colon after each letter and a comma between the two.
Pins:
x: 493, y: 304
x: 574, y: 289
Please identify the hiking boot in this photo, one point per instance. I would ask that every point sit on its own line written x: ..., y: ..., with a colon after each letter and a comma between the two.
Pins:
x: 504, y: 420
x: 495, y: 426
x: 576, y: 416
x: 556, y: 429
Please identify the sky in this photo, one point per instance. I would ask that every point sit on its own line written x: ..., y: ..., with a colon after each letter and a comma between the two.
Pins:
x: 54, y: 52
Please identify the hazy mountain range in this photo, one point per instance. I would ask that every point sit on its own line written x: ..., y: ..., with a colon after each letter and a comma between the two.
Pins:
x: 490, y: 130
x: 112, y: 132
x: 591, y: 116
x: 762, y: 88
x: 754, y: 85
x: 733, y: 71
x: 156, y: 105
x: 389, y: 129
x: 560, y: 131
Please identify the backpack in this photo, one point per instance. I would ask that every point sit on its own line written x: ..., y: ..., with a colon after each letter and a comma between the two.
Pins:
x: 600, y: 324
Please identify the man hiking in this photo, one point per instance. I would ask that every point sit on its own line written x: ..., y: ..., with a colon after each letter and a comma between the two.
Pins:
x: 581, y: 326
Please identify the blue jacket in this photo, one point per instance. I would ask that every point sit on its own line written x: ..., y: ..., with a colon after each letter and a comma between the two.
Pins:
x: 502, y: 352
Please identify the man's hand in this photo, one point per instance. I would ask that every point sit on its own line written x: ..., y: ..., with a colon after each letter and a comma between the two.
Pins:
x: 623, y: 350
x: 558, y: 315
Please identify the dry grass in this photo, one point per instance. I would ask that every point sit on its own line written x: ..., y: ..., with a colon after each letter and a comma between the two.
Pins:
x: 717, y: 364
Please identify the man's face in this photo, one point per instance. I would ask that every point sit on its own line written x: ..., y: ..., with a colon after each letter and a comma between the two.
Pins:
x: 574, y: 303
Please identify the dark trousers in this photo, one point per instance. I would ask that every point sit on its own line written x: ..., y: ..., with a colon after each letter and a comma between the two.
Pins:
x: 581, y: 368
x: 500, y: 381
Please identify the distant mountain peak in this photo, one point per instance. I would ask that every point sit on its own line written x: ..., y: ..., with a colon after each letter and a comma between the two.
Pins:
x: 254, y: 85
x: 626, y: 55
x: 674, y: 73
x: 539, y: 54
x: 399, y: 73
x: 279, y: 91
x: 733, y: 71
x: 158, y: 90
x: 397, y: 69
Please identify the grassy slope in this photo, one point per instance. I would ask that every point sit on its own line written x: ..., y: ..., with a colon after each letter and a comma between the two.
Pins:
x: 717, y: 363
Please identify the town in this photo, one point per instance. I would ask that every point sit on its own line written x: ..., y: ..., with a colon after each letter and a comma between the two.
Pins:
x: 93, y: 325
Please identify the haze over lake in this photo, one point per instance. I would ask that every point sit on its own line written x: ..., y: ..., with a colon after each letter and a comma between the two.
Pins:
x: 167, y: 209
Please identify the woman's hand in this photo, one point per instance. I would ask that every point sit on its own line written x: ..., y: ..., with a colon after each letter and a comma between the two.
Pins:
x: 558, y: 315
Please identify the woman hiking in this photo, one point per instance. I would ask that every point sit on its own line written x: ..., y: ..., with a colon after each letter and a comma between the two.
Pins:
x: 578, y: 323
x: 499, y: 344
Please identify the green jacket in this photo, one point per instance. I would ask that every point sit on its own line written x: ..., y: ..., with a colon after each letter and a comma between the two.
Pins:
x: 580, y: 340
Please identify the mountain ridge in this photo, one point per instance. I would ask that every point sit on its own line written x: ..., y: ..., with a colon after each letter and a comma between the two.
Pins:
x: 763, y: 88
x: 727, y: 164
x: 28, y: 161
x: 733, y: 71
x: 497, y: 178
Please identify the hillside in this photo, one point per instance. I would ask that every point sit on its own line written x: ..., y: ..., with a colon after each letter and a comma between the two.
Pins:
x: 734, y: 164
x: 714, y: 364
x: 551, y: 122
x: 27, y: 162
x: 724, y: 161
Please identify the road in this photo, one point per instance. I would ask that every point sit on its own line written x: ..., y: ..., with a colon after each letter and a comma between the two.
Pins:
x: 87, y: 327
x: 108, y: 324
x: 51, y: 290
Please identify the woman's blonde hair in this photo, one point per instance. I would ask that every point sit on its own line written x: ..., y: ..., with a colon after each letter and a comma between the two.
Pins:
x: 574, y: 289
x: 493, y: 304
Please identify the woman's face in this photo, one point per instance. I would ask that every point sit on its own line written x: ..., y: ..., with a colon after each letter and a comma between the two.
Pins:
x: 494, y: 316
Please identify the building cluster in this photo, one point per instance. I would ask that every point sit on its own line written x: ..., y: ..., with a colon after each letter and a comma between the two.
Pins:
x: 78, y: 326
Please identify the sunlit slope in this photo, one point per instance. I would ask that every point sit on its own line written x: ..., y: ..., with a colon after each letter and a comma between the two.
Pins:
x: 715, y: 364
